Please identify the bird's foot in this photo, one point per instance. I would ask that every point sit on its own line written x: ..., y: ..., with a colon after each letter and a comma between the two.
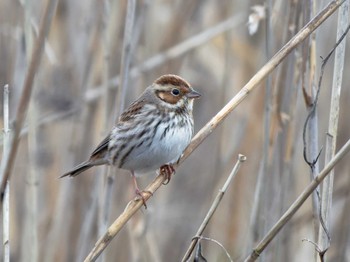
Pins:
x: 167, y: 171
x: 139, y: 193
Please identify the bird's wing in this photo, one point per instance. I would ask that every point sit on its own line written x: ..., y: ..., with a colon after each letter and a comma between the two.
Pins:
x: 126, y: 116
x: 132, y: 111
x: 102, y: 148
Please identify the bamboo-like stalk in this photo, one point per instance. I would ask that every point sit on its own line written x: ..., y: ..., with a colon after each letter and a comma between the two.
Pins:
x: 327, y: 186
x: 254, y: 82
x: 6, y: 203
x: 297, y: 203
x: 27, y: 89
x: 213, y: 207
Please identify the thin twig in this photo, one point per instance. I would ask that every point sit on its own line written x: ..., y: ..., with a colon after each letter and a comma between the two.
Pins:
x: 311, y: 163
x: 297, y: 204
x: 313, y: 243
x: 27, y: 90
x: 213, y: 207
x: 218, y: 243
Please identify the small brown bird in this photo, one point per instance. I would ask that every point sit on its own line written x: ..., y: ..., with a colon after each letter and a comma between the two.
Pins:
x: 151, y: 133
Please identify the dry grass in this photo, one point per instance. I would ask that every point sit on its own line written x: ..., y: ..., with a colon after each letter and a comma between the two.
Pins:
x: 76, y: 97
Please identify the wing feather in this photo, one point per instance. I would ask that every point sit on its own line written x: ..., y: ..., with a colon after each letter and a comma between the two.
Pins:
x: 102, y: 148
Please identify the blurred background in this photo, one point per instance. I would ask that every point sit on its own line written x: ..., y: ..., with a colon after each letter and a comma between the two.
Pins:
x: 77, y: 97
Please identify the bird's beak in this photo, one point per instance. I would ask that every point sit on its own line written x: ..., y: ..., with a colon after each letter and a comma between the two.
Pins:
x: 193, y: 94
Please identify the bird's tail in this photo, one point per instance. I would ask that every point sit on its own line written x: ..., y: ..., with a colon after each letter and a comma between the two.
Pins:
x: 83, y: 166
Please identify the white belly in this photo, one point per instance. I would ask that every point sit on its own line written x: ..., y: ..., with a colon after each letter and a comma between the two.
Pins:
x: 164, y: 149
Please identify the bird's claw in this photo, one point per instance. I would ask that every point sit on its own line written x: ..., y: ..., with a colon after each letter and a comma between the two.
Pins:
x: 167, y: 171
x: 140, y: 196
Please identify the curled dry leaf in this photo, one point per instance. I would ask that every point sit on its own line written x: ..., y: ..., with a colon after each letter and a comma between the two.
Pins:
x: 255, y: 17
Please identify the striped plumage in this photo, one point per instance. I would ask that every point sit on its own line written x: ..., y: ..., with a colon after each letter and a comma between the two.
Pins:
x: 152, y: 132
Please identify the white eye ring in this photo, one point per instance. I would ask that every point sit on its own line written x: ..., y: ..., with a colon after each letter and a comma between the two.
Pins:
x: 175, y: 92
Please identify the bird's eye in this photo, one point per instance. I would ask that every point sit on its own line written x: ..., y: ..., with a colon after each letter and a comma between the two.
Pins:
x: 175, y: 92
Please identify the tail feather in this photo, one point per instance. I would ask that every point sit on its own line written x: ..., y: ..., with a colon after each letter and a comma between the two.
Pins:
x: 78, y: 169
x: 84, y: 166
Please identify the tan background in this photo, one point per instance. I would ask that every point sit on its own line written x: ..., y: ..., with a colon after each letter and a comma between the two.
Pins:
x: 58, y: 219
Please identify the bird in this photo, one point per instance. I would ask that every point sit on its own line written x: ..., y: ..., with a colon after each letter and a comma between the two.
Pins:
x: 151, y: 133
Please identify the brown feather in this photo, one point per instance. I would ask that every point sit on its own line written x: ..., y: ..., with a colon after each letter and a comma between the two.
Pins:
x: 132, y: 110
x: 172, y: 80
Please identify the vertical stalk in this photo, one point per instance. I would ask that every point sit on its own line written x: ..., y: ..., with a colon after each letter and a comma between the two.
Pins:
x: 313, y: 131
x: 327, y: 186
x: 6, y: 203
